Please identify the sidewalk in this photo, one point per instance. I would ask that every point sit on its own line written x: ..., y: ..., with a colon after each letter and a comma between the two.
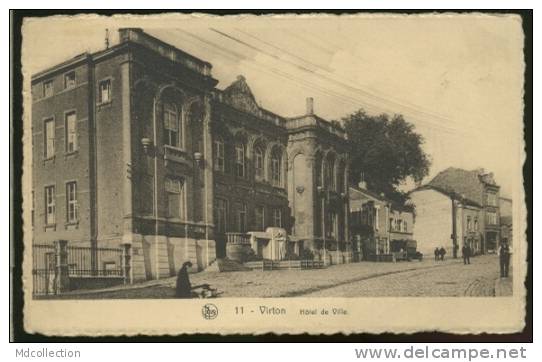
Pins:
x: 265, y: 283
x: 503, y: 286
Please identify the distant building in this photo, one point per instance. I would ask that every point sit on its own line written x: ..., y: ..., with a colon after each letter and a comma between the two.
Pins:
x: 456, y: 208
x: 134, y: 144
x: 375, y: 222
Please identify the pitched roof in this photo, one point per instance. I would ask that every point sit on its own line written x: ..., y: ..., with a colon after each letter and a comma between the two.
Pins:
x: 467, y: 184
x: 449, y: 193
x: 356, y: 193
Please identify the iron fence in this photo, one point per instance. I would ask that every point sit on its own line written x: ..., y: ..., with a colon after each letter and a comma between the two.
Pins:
x: 50, y: 261
x: 43, y: 269
x: 87, y: 261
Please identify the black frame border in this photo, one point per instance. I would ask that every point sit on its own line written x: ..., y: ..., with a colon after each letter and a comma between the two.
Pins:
x: 17, y: 331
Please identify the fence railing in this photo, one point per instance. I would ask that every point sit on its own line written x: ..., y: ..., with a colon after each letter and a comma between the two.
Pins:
x: 87, y: 261
x: 54, y: 265
x: 238, y: 238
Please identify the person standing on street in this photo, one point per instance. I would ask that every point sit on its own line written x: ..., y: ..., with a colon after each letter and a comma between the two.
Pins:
x: 442, y: 252
x: 437, y: 253
x: 504, y: 258
x: 183, y: 288
x: 465, y: 251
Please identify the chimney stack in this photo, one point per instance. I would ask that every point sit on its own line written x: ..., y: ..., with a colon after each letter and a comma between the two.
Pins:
x: 106, y: 38
x: 310, y: 106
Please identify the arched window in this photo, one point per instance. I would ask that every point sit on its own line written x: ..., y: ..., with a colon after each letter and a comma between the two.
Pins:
x: 258, y: 163
x: 172, y: 127
x: 276, y: 164
x: 240, y: 169
x: 330, y: 173
x: 218, y: 155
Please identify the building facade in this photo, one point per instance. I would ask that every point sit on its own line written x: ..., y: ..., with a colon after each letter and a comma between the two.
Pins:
x: 135, y: 144
x: 458, y: 207
x: 375, y: 222
x: 505, y: 208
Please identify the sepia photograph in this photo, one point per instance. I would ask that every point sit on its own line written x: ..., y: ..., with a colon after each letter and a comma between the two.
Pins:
x: 309, y: 173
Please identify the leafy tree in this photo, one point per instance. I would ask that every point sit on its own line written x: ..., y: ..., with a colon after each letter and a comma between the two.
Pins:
x: 387, y: 151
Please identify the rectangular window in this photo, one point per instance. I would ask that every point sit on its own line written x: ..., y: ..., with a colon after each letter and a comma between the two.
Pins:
x: 71, y: 132
x: 405, y: 229
x: 72, y: 209
x: 221, y: 215
x: 174, y: 198
x: 47, y: 88
x: 219, y: 155
x: 171, y: 127
x: 392, y: 224
x: 258, y: 164
x: 104, y: 91
x: 277, y: 218
x: 50, y: 207
x: 492, y: 199
x: 492, y: 218
x: 49, y: 150
x: 332, y: 225
x: 275, y: 171
x: 475, y: 224
x: 240, y: 160
x: 241, y: 217
x: 259, y: 216
x: 69, y: 80
x: 399, y: 225
x: 469, y: 225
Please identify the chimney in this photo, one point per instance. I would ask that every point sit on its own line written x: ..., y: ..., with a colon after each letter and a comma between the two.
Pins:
x: 362, y: 184
x: 310, y: 106
x: 106, y: 38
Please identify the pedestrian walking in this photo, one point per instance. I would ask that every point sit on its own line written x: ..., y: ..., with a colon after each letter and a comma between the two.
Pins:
x: 183, y: 288
x: 437, y: 253
x: 504, y: 259
x: 465, y: 251
x: 442, y: 252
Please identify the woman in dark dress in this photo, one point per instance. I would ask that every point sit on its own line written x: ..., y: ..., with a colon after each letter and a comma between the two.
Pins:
x: 183, y: 288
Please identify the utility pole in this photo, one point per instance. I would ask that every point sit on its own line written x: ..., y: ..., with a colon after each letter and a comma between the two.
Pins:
x: 454, y: 228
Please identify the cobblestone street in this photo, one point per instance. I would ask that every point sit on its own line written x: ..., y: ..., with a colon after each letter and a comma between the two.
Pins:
x: 427, y: 278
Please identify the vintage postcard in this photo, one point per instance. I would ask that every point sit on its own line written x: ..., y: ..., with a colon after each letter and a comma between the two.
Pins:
x: 190, y: 173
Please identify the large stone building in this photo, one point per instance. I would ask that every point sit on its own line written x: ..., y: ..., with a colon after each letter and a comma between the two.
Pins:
x: 135, y: 144
x: 456, y: 208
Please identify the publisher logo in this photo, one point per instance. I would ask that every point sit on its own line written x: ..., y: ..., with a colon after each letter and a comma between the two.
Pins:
x: 209, y: 311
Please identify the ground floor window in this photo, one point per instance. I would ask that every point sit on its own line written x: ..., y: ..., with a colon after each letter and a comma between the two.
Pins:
x: 259, y: 217
x: 175, y: 202
x: 382, y: 246
x: 221, y: 212
x: 241, y: 209
x: 332, y: 225
x: 50, y: 206
x: 71, y: 202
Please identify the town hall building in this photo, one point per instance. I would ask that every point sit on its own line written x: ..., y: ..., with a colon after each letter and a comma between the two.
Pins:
x: 135, y: 144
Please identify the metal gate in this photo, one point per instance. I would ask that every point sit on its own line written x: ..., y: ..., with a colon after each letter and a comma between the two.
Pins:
x: 43, y: 269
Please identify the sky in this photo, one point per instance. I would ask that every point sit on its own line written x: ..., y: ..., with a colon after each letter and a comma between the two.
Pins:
x: 458, y: 79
